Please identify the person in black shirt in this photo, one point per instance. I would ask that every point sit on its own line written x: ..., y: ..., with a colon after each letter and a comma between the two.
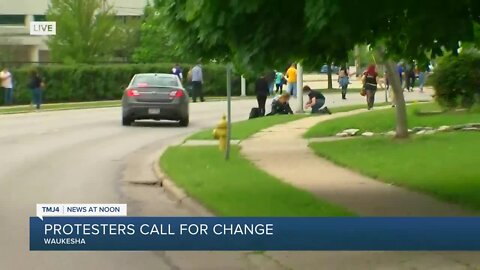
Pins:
x: 370, y: 81
x: 316, y: 100
x: 281, y: 105
x: 262, y: 90
x: 36, y: 84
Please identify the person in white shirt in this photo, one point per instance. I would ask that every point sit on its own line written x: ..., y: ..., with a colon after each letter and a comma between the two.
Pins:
x: 7, y: 85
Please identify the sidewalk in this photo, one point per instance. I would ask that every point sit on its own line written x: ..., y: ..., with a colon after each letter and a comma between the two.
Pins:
x: 282, y: 152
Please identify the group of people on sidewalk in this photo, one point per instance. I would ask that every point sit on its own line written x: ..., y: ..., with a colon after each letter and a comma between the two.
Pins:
x: 194, y: 79
x: 36, y: 85
x: 280, y: 103
x: 408, y: 74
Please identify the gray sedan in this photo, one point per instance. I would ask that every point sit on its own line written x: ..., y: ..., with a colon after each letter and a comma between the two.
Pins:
x: 155, y: 96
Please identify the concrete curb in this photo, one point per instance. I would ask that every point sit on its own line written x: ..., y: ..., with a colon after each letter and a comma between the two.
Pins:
x: 177, y: 193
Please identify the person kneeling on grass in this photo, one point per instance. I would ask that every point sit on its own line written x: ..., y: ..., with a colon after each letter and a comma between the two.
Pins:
x: 280, y: 105
x: 316, y: 100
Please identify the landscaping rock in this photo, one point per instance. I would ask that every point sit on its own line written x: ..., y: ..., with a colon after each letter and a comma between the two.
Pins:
x: 472, y: 125
x: 471, y: 129
x: 444, y: 128
x: 368, y: 134
x: 458, y: 127
x: 410, y: 130
x: 391, y: 133
x: 417, y: 129
x: 430, y: 132
x: 421, y: 132
x: 351, y: 132
x: 342, y: 134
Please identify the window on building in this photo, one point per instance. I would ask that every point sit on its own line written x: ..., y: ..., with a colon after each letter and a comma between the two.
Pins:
x: 39, y: 18
x: 12, y: 19
x: 127, y: 18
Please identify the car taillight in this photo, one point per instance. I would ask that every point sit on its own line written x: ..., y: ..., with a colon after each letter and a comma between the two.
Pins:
x: 132, y: 93
x: 176, y: 94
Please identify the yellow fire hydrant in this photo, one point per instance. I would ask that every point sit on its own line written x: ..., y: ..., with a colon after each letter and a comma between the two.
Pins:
x: 220, y: 133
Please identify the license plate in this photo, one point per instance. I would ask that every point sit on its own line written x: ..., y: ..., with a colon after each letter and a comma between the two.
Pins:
x: 153, y: 111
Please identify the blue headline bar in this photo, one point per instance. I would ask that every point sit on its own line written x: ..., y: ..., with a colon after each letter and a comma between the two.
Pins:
x: 215, y: 233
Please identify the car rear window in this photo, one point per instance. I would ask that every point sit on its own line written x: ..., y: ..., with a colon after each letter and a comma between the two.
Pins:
x: 154, y: 81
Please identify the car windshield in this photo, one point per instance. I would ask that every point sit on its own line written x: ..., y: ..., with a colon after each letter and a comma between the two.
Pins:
x: 154, y: 80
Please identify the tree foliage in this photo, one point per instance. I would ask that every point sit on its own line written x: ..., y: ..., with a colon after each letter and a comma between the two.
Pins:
x: 155, y: 43
x: 457, y: 80
x: 87, y: 31
x: 262, y: 33
x: 257, y: 34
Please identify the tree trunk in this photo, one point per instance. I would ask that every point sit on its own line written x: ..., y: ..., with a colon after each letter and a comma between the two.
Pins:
x: 329, y: 76
x: 398, y: 99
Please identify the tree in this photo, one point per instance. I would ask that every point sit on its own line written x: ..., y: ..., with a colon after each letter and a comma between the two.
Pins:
x: 129, y: 39
x: 155, y: 44
x: 254, y: 35
x: 87, y: 31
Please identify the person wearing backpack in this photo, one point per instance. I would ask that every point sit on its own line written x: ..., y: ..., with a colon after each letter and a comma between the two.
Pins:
x: 370, y: 81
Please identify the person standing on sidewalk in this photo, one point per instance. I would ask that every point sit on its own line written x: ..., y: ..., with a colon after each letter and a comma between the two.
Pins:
x: 344, y: 81
x: 370, y: 81
x: 292, y: 80
x: 422, y: 77
x: 36, y: 84
x: 262, y: 91
x: 177, y: 70
x: 278, y: 82
x: 316, y: 100
x: 7, y: 85
x: 197, y: 83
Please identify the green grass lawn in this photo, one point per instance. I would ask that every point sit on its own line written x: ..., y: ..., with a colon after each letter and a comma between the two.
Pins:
x: 444, y: 165
x: 338, y: 90
x: 384, y: 120
x: 244, y: 129
x: 354, y: 107
x: 60, y: 106
x: 236, y: 187
x: 83, y: 105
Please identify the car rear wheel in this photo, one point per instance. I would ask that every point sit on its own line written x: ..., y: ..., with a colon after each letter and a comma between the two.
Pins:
x: 126, y: 121
x: 183, y: 122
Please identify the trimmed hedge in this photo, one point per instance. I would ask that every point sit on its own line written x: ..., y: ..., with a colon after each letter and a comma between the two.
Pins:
x: 456, y: 80
x: 74, y: 83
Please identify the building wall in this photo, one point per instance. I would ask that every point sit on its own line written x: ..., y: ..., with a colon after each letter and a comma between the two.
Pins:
x: 16, y: 44
x: 38, y: 7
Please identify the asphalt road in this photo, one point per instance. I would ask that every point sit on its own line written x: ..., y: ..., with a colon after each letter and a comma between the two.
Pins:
x: 80, y: 156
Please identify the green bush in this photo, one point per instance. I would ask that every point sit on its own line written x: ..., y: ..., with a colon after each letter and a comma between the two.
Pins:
x: 456, y: 80
x: 73, y: 83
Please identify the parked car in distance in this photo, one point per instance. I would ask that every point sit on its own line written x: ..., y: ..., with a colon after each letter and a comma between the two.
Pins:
x: 324, y: 69
x: 155, y: 96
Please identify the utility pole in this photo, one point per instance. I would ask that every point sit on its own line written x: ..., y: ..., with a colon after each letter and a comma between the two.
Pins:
x: 299, y: 88
x: 229, y: 110
x: 243, y: 86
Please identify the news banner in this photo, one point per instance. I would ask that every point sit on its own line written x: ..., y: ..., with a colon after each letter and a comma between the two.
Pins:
x: 107, y: 227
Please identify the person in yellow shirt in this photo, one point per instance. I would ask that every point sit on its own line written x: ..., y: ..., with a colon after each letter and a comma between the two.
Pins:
x: 291, y: 75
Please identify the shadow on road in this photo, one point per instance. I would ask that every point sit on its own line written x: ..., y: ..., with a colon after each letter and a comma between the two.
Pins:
x: 156, y: 124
